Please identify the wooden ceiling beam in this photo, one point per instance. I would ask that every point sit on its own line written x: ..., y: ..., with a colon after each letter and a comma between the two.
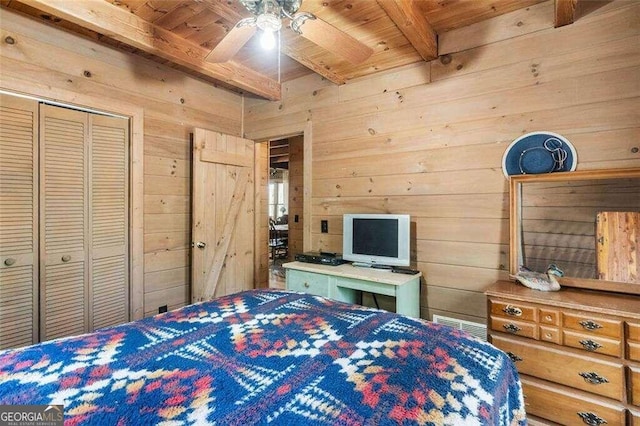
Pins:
x: 117, y: 23
x: 230, y: 11
x: 565, y: 12
x: 408, y: 18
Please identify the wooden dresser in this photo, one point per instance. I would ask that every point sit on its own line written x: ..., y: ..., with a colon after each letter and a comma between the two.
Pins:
x: 577, y: 351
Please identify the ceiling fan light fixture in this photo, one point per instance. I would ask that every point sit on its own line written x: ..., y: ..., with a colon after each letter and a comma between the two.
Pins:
x: 299, y: 19
x: 269, y: 17
x: 268, y: 22
x: 268, y: 40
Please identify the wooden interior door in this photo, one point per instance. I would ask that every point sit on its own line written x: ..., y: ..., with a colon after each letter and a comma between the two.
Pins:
x: 18, y: 221
x: 222, y: 258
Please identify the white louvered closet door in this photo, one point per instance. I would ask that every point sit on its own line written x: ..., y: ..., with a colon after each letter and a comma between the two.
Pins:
x: 64, y: 222
x: 109, y: 221
x: 18, y: 222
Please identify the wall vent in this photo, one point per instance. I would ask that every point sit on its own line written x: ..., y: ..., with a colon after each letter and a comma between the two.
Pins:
x: 473, y: 328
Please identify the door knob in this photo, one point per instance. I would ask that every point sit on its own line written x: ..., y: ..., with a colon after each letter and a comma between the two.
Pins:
x: 201, y: 244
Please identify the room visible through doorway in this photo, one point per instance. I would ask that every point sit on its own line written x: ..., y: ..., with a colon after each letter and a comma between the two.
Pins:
x: 285, y: 205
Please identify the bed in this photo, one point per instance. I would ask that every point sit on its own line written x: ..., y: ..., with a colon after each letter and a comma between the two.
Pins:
x: 269, y: 357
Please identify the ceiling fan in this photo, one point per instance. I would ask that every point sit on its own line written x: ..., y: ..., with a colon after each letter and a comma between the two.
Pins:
x: 268, y: 18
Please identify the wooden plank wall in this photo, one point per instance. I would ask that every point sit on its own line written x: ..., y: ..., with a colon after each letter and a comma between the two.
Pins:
x: 428, y: 139
x: 50, y: 60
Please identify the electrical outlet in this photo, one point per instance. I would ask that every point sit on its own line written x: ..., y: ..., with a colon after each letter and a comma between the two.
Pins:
x: 324, y: 226
x: 162, y: 309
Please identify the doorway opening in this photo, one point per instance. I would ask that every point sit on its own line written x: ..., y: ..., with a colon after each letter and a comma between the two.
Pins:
x: 285, y: 205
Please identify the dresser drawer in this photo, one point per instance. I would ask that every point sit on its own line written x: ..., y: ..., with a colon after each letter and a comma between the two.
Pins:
x: 518, y: 328
x: 634, y: 350
x: 518, y: 311
x: 591, y: 343
x: 308, y: 282
x: 635, y: 386
x: 549, y: 316
x: 633, y: 341
x: 560, y: 366
x: 633, y: 331
x: 597, y: 326
x: 563, y: 406
x: 550, y: 334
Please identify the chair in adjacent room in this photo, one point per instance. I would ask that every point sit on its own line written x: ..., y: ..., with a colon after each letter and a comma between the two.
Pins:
x: 278, y: 242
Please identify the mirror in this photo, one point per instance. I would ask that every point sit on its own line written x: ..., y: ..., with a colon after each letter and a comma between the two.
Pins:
x: 585, y: 222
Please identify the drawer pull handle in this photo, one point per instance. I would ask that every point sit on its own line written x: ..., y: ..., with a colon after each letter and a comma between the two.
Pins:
x: 511, y: 328
x: 590, y: 325
x: 593, y: 378
x: 512, y: 311
x: 590, y: 345
x: 591, y: 419
x: 514, y: 358
x: 306, y: 285
x: 66, y: 258
x: 10, y: 261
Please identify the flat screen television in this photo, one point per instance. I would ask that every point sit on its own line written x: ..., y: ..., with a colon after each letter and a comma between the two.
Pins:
x: 376, y: 239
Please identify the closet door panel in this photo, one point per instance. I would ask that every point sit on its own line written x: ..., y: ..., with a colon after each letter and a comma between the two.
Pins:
x: 65, y: 301
x: 63, y: 221
x: 109, y: 221
x: 18, y: 221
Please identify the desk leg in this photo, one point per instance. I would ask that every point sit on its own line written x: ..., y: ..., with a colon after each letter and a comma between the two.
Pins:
x: 342, y: 294
x: 408, y: 299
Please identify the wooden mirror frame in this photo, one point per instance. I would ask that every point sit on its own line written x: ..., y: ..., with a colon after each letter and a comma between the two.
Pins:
x: 515, y: 240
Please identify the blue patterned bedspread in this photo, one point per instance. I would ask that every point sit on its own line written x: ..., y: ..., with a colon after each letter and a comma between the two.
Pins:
x: 269, y: 356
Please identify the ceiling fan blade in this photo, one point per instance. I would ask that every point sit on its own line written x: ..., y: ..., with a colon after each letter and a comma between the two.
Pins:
x: 334, y: 40
x: 233, y: 41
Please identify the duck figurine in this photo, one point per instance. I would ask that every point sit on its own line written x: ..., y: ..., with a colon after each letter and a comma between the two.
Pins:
x: 540, y: 281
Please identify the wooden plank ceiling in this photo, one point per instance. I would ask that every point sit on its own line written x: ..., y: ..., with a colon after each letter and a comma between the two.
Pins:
x: 181, y: 33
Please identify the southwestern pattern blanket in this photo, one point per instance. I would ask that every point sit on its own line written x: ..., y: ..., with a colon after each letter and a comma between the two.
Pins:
x: 269, y: 357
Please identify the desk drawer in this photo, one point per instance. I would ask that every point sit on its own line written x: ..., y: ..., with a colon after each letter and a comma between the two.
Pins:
x: 308, y: 282
x: 563, y: 406
x: 559, y: 366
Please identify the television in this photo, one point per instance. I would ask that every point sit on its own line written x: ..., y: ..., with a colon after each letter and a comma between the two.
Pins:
x: 376, y: 239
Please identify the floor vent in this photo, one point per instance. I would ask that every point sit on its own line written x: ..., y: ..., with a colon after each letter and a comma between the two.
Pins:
x: 473, y: 328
